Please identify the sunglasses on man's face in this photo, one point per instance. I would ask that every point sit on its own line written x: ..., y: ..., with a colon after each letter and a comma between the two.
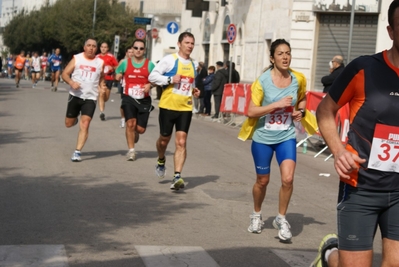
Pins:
x: 138, y: 48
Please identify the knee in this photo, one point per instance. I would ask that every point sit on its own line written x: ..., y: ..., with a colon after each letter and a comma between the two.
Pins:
x: 181, y: 143
x: 131, y: 124
x: 262, y: 180
x: 287, y: 181
x: 140, y: 130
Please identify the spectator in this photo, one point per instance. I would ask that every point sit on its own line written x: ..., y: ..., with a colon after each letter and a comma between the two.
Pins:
x: 201, y: 74
x: 235, y: 76
x: 208, y: 90
x: 220, y: 79
x: 336, y: 67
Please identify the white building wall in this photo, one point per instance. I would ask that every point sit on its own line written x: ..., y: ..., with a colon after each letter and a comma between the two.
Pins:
x: 383, y: 40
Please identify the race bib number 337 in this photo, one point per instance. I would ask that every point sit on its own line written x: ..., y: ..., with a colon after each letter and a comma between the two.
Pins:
x: 279, y: 120
x: 384, y: 155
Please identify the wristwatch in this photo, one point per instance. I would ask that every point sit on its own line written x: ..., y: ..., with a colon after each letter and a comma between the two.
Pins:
x: 169, y: 80
x: 302, y: 111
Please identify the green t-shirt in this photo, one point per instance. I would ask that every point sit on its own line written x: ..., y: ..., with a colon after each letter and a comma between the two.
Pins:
x: 121, y: 69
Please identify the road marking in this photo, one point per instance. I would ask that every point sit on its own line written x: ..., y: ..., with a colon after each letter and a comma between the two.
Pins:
x: 33, y: 256
x: 295, y: 258
x: 165, y: 256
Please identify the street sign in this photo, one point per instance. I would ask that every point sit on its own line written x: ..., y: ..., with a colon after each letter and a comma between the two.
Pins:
x: 142, y: 21
x: 172, y: 27
x: 140, y: 33
x: 231, y: 33
x: 154, y: 33
x: 116, y: 44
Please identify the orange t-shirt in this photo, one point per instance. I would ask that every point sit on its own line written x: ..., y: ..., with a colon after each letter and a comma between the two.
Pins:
x: 19, y: 62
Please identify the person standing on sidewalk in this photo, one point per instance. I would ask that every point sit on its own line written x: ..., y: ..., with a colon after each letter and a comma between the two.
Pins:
x: 136, y: 99
x: 176, y: 72
x: 85, y: 76
x: 277, y: 100
x: 110, y: 63
x: 367, y: 166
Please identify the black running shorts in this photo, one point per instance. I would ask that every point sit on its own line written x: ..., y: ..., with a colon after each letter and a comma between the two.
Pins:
x: 169, y: 118
x: 109, y: 84
x: 132, y: 112
x: 77, y: 105
x: 360, y: 211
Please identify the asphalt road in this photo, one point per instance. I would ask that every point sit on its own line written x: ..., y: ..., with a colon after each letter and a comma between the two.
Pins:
x: 106, y: 211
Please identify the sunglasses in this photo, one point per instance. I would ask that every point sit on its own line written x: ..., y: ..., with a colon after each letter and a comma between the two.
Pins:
x: 138, y: 48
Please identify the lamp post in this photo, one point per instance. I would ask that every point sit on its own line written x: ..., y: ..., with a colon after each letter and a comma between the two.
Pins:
x: 94, y: 16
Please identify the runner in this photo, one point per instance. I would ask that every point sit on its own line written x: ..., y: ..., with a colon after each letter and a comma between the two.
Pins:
x: 44, y: 59
x: 19, y: 67
x: 121, y: 85
x: 110, y: 63
x: 10, y: 65
x: 28, y: 62
x: 35, y: 66
x: 55, y: 61
x: 87, y: 79
x: 135, y: 96
x: 176, y: 72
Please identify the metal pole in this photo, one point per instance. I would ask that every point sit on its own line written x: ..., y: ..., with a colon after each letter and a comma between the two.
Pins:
x: 351, y: 31
x: 231, y: 63
x: 94, y: 16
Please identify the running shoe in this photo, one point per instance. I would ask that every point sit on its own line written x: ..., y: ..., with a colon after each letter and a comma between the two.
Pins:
x: 52, y: 89
x: 76, y: 156
x: 102, y: 116
x: 283, y: 228
x: 256, y: 224
x: 136, y: 137
x: 131, y: 155
x: 177, y: 183
x: 122, y: 125
x: 55, y: 89
x: 328, y: 242
x: 160, y: 171
x: 34, y: 85
x: 17, y: 85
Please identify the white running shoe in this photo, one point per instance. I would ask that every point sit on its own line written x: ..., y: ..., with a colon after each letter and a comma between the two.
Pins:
x: 122, y: 125
x: 177, y: 183
x: 160, y: 171
x: 256, y: 224
x: 131, y: 155
x: 76, y: 156
x: 283, y: 227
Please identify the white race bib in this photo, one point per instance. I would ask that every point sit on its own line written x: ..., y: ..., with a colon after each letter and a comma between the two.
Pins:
x: 279, y: 119
x: 56, y: 63
x: 136, y: 91
x: 185, y: 87
x: 87, y: 73
x: 384, y: 154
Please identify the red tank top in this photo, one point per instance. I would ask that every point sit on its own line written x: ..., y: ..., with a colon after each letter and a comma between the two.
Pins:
x: 135, y: 78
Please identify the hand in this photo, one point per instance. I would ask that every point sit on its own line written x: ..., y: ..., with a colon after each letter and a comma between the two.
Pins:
x: 147, y: 88
x: 75, y: 85
x: 196, y: 92
x: 176, y: 78
x: 284, y: 102
x: 346, y: 162
x: 296, y: 115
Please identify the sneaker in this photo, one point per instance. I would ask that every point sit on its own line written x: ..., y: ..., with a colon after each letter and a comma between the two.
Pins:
x: 328, y: 242
x: 102, y: 116
x: 34, y: 85
x: 136, y: 137
x: 283, y: 228
x: 17, y: 85
x: 177, y: 183
x: 76, y: 157
x: 55, y: 89
x: 256, y: 224
x: 52, y: 89
x: 122, y: 125
x: 160, y: 171
x: 131, y: 155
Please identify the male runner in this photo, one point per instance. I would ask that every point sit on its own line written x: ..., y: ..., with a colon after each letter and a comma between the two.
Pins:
x: 10, y: 65
x: 367, y: 165
x: 86, y: 80
x: 176, y: 72
x: 35, y: 66
x: 55, y: 61
x: 28, y: 62
x: 135, y: 73
x: 19, y: 67
x: 110, y: 63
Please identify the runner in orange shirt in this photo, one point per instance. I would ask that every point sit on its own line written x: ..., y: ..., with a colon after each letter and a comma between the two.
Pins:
x: 19, y: 67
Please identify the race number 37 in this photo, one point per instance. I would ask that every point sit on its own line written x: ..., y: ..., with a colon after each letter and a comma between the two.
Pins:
x: 384, y: 154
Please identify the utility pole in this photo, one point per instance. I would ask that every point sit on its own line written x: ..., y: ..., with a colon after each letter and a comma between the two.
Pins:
x: 94, y: 16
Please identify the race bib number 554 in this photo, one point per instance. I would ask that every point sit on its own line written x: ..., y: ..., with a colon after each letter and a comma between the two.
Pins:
x: 384, y: 155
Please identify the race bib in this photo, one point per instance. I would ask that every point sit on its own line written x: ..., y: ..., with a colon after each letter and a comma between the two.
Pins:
x: 279, y: 119
x: 136, y: 91
x: 185, y: 87
x: 10, y: 62
x: 56, y: 63
x: 87, y: 73
x: 384, y: 154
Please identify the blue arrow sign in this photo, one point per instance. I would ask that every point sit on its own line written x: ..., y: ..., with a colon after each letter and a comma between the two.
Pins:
x: 172, y: 27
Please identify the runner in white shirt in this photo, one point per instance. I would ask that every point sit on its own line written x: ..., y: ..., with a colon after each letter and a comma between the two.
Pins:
x: 35, y: 68
x: 85, y: 75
